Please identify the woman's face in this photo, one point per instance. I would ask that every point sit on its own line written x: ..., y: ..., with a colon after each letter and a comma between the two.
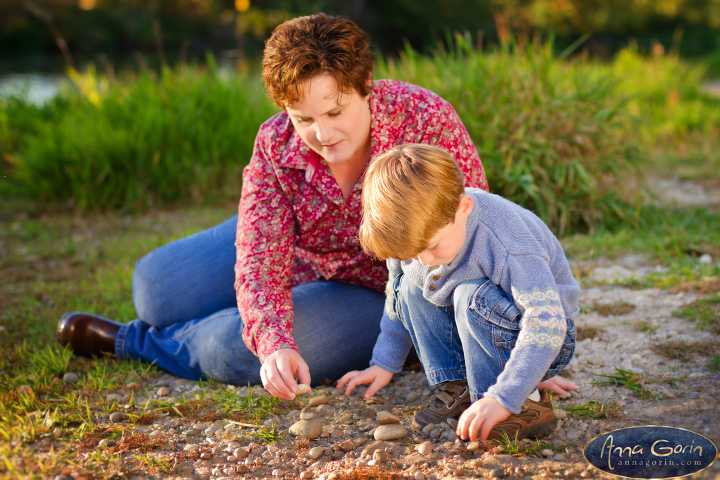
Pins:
x: 337, y: 128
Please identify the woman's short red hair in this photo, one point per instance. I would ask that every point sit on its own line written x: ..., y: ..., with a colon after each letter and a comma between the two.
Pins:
x: 302, y: 48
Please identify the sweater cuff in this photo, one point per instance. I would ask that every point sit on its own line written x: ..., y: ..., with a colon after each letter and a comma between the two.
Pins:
x: 392, y: 346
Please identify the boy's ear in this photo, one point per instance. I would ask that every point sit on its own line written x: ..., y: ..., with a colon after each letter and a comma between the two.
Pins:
x: 465, y: 206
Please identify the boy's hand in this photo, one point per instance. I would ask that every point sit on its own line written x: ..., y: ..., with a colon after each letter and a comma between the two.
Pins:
x: 480, y: 418
x: 376, y: 377
x: 559, y: 386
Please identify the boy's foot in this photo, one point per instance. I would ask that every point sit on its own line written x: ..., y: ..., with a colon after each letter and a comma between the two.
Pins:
x: 536, y: 419
x: 450, y: 402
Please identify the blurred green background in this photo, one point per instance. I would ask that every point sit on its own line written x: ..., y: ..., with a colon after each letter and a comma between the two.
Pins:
x: 572, y: 105
x: 118, y: 30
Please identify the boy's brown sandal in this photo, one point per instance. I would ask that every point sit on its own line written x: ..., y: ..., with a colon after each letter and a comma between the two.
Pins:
x: 536, y: 419
x: 451, y: 401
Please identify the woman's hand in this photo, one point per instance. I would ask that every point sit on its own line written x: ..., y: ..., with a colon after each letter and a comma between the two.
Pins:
x: 480, y: 418
x: 558, y: 385
x: 375, y: 376
x: 279, y: 371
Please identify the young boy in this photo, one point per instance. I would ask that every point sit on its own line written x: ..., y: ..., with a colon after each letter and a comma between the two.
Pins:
x: 480, y: 287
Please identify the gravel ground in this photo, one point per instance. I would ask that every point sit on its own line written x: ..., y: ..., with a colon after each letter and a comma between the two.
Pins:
x: 626, y: 329
x: 620, y: 328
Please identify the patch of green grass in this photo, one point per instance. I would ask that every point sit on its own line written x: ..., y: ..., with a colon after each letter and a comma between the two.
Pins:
x: 684, y: 351
x: 593, y: 409
x: 516, y: 447
x: 673, y: 237
x: 553, y: 135
x: 704, y: 311
x: 714, y: 364
x: 645, y: 327
x: 269, y: 434
x: 155, y: 464
x: 629, y: 380
x: 616, y: 308
x: 180, y: 135
x: 588, y: 332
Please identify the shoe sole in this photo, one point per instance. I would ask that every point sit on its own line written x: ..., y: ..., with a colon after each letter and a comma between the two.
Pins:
x: 537, y: 431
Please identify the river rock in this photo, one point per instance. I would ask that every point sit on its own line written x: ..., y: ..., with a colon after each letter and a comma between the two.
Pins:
x: 310, y: 429
x: 386, y: 418
x: 370, y: 449
x: 315, y: 453
x: 320, y: 400
x: 425, y: 448
x: 390, y: 432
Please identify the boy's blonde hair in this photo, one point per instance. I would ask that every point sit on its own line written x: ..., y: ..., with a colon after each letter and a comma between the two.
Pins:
x: 410, y: 192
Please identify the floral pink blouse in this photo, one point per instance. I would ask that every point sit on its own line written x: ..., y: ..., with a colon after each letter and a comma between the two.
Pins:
x: 295, y: 226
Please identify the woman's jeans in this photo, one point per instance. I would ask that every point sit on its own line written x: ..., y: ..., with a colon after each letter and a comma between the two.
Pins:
x: 470, y: 340
x: 190, y: 326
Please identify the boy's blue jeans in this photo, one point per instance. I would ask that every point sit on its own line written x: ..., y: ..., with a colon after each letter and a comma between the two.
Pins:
x: 472, y: 339
x: 190, y: 325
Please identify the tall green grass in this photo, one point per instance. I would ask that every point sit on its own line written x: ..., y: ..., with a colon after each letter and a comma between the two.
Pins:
x: 153, y: 139
x: 553, y: 136
x: 564, y: 136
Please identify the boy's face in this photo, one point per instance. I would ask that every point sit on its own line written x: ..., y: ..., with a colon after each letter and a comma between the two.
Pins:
x: 445, y: 245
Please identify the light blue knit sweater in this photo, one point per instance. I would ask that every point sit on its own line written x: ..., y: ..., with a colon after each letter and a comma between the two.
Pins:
x: 516, y: 250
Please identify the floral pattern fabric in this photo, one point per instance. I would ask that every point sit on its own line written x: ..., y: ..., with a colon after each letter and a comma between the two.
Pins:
x: 295, y: 226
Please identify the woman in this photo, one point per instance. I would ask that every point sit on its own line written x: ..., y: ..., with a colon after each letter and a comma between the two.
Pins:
x: 307, y: 300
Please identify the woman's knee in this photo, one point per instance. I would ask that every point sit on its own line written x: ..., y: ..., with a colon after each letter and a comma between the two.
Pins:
x: 146, y: 282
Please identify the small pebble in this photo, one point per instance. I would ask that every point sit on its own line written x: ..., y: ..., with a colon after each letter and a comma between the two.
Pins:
x: 206, y: 455
x: 133, y: 385
x: 310, y: 429
x: 425, y: 448
x: 497, y: 473
x: 380, y: 456
x: 547, y: 453
x: 390, y: 432
x: 370, y: 449
x: 419, y: 476
x: 116, y: 417
x: 347, y: 446
x: 315, y: 401
x: 163, y: 392
x: 386, y: 418
x: 303, y: 389
x: 411, y: 397
x: 323, y: 409
x: 306, y: 475
x: 26, y: 389
x: 315, y: 453
x: 71, y: 377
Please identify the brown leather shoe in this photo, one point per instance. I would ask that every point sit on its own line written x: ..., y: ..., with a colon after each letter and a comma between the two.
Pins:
x: 536, y: 419
x: 450, y: 402
x: 87, y: 335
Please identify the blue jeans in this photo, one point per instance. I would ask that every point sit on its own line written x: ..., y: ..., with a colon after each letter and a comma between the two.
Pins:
x: 190, y: 326
x: 470, y: 340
